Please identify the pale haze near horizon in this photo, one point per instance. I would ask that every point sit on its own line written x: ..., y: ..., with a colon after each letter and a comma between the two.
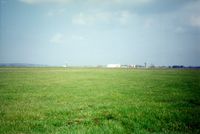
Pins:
x: 100, y: 32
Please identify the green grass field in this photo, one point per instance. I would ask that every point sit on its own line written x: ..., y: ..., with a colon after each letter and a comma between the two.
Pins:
x: 59, y: 100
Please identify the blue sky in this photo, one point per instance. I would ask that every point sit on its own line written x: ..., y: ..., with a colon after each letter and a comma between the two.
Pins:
x: 100, y: 32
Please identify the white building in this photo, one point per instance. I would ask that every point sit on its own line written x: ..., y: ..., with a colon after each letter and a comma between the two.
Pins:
x: 113, y: 66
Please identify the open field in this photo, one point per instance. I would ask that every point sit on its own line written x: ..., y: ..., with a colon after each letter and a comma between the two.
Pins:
x: 59, y: 100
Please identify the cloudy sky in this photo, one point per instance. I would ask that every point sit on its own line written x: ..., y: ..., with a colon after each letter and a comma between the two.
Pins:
x: 93, y: 32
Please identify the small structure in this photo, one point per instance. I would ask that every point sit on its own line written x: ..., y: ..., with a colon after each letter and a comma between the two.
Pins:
x: 113, y: 66
x: 124, y: 66
x: 132, y: 66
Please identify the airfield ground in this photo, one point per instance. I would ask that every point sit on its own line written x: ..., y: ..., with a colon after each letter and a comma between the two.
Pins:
x: 91, y: 100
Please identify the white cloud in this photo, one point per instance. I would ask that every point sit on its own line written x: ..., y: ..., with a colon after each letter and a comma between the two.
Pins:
x: 195, y: 21
x: 191, y: 13
x: 136, y: 1
x: 56, y: 12
x: 124, y: 17
x: 63, y: 38
x: 90, y: 19
x: 57, y: 38
x: 46, y: 1
x: 122, y: 1
x: 121, y: 17
x: 180, y: 30
x: 133, y: 2
x: 78, y: 37
x: 83, y: 19
x: 148, y: 23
